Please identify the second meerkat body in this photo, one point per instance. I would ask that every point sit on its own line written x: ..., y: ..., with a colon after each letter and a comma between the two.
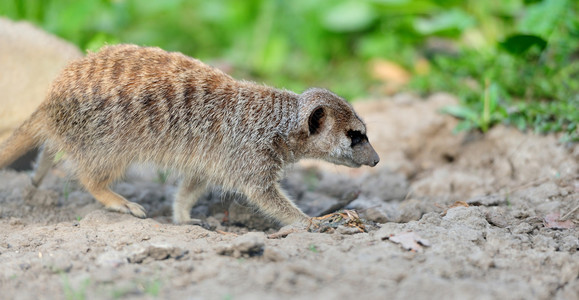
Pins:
x: 127, y: 104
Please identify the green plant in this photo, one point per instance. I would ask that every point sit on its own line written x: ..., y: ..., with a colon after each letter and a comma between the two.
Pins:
x: 71, y: 293
x: 162, y: 176
x: 58, y: 156
x: 312, y: 179
x: 228, y: 297
x: 481, y: 116
x: 152, y: 287
x: 525, y: 49
x: 313, y: 248
x: 66, y: 190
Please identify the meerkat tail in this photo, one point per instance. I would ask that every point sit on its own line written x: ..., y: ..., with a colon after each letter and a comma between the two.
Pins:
x: 21, y: 141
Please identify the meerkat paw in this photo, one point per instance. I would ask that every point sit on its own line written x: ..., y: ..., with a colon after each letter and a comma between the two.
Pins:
x: 129, y: 208
x: 303, y: 225
x: 29, y: 192
x: 299, y: 226
x: 191, y: 221
x: 183, y: 218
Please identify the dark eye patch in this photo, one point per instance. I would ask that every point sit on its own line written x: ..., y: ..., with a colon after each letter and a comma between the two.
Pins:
x: 316, y: 120
x: 357, y: 137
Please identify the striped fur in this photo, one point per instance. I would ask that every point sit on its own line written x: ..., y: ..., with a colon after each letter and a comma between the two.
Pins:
x: 127, y: 104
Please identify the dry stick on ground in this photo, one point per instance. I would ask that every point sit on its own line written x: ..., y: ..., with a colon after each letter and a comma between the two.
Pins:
x: 569, y: 214
x: 351, y: 218
x: 226, y: 233
x: 529, y: 184
x: 284, y: 232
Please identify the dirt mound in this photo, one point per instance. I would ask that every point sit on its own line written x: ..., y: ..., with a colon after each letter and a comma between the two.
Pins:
x: 501, y: 241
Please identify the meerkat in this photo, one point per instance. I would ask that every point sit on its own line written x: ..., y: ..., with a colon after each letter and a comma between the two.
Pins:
x: 128, y: 104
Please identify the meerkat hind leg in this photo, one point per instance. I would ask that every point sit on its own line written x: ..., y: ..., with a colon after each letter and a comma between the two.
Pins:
x: 188, y: 194
x: 111, y: 200
x: 44, y: 162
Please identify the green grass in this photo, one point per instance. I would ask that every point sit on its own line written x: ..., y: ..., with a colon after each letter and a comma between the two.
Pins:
x: 162, y: 176
x: 66, y: 190
x: 72, y: 293
x: 512, y: 61
x: 147, y: 286
x: 313, y: 248
x: 152, y: 288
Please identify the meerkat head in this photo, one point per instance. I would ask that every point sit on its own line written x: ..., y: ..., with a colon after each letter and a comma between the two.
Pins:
x: 333, y: 131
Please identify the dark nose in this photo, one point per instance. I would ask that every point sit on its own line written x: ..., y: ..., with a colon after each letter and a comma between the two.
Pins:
x: 375, y: 160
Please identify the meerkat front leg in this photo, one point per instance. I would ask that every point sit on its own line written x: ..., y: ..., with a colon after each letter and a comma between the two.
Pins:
x: 273, y: 202
x: 190, y: 190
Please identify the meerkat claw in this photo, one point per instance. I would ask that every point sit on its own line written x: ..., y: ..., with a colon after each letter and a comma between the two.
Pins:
x: 136, y: 210
x: 130, y: 208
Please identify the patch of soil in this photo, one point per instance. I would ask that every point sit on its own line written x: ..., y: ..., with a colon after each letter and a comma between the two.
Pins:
x: 495, y: 244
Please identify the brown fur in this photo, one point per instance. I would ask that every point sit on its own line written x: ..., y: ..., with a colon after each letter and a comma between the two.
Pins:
x: 127, y: 104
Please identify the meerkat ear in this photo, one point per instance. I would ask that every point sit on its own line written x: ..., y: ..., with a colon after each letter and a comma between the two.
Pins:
x: 316, y: 120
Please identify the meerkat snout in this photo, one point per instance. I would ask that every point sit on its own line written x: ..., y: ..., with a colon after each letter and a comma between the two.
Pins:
x: 363, y: 152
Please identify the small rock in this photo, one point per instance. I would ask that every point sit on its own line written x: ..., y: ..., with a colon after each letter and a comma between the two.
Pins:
x: 543, y: 243
x: 57, y: 264
x: 569, y: 243
x: 152, y: 253
x: 377, y: 214
x: 523, y: 228
x: 275, y: 255
x: 41, y: 197
x: 487, y: 200
x: 15, y: 221
x: 497, y: 218
x: 472, y: 217
x: 111, y: 258
x: 106, y: 275
x: 347, y: 230
x: 248, y: 245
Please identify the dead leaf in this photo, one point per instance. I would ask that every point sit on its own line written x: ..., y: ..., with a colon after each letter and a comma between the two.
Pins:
x: 459, y: 204
x: 346, y: 217
x: 226, y: 233
x: 409, y: 241
x: 552, y: 221
x: 387, y: 71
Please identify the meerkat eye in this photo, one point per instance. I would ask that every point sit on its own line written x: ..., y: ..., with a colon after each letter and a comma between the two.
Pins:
x: 357, y: 137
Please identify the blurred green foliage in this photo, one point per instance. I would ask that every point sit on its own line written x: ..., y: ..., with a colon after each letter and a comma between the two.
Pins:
x: 511, y: 61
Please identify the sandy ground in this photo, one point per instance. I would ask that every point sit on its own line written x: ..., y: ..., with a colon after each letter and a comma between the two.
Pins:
x: 496, y: 244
